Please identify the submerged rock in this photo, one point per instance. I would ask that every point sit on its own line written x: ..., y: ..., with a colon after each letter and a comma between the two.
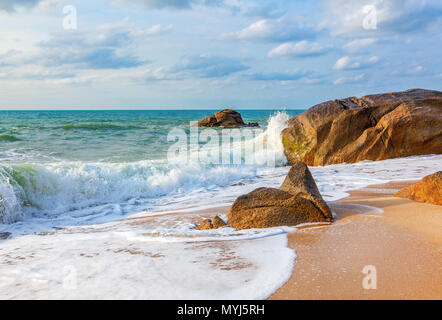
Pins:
x: 374, y: 127
x: 428, y: 190
x: 227, y: 118
x: 297, y: 201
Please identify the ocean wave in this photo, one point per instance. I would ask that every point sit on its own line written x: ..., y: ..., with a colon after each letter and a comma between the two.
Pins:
x: 96, y: 126
x: 65, y: 188
x: 9, y: 138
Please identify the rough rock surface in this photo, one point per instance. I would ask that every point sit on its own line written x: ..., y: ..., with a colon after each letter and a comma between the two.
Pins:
x: 297, y: 201
x: 268, y: 207
x: 210, y: 224
x: 227, y: 118
x: 299, y: 182
x: 217, y: 223
x: 428, y: 190
x: 374, y: 127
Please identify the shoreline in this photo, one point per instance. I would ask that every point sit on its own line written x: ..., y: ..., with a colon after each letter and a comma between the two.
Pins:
x: 399, y: 237
x: 403, y: 243
x: 329, y: 258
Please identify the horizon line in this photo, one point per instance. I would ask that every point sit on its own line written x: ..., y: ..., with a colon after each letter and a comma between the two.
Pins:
x: 176, y: 109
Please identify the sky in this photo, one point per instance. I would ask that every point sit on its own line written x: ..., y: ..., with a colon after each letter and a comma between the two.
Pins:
x: 209, y: 54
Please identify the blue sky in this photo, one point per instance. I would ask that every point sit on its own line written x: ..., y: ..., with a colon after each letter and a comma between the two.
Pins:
x: 205, y: 54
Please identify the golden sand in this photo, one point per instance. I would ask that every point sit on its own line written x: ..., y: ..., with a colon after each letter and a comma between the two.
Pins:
x: 403, y: 243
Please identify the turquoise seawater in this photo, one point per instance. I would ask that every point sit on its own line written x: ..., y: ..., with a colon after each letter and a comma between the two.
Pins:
x: 110, y: 136
x: 60, y: 168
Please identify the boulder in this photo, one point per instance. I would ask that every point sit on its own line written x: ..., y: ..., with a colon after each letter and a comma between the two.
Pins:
x: 269, y: 207
x: 227, y: 118
x: 205, y: 225
x: 217, y: 223
x: 210, y: 224
x: 428, y: 190
x: 299, y: 182
x: 374, y: 127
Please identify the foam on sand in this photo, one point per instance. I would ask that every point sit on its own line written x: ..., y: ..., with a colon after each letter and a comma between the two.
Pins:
x: 89, y: 263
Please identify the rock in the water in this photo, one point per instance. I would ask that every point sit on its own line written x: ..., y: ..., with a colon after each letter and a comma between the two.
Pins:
x: 205, y: 225
x: 227, y: 118
x: 210, y: 224
x: 4, y: 235
x: 428, y: 190
x: 268, y: 207
x: 299, y: 182
x: 374, y: 127
x: 217, y: 223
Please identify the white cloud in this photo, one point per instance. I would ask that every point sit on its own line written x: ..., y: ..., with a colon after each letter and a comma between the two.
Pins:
x: 392, y: 16
x: 283, y: 29
x: 356, y: 45
x: 354, y: 79
x: 127, y: 27
x: 302, y: 48
x: 160, y: 4
x: 347, y: 63
x: 158, y: 29
x: 416, y: 69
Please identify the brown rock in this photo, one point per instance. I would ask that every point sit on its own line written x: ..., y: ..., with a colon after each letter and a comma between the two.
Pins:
x: 300, y: 182
x: 428, y: 190
x: 218, y: 223
x: 374, y: 127
x: 227, y: 118
x: 268, y: 207
x: 205, y: 225
x: 210, y: 224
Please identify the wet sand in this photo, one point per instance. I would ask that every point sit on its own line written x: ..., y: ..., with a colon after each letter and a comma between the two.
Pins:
x: 404, y: 243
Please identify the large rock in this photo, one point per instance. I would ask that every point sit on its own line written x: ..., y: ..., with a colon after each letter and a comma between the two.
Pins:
x: 297, y: 201
x: 227, y: 118
x: 268, y: 207
x: 428, y: 190
x: 374, y: 127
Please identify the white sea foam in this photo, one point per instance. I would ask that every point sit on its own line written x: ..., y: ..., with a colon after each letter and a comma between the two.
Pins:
x: 115, y: 265
x: 64, y: 192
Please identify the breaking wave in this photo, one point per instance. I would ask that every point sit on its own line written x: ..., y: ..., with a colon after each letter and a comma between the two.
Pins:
x: 65, y: 188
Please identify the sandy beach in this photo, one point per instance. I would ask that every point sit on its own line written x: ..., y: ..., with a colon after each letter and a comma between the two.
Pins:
x: 403, y: 243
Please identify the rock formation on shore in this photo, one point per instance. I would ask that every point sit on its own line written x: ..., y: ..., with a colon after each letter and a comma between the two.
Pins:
x: 227, y: 118
x: 428, y: 190
x: 210, y: 224
x: 297, y: 201
x: 374, y: 127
